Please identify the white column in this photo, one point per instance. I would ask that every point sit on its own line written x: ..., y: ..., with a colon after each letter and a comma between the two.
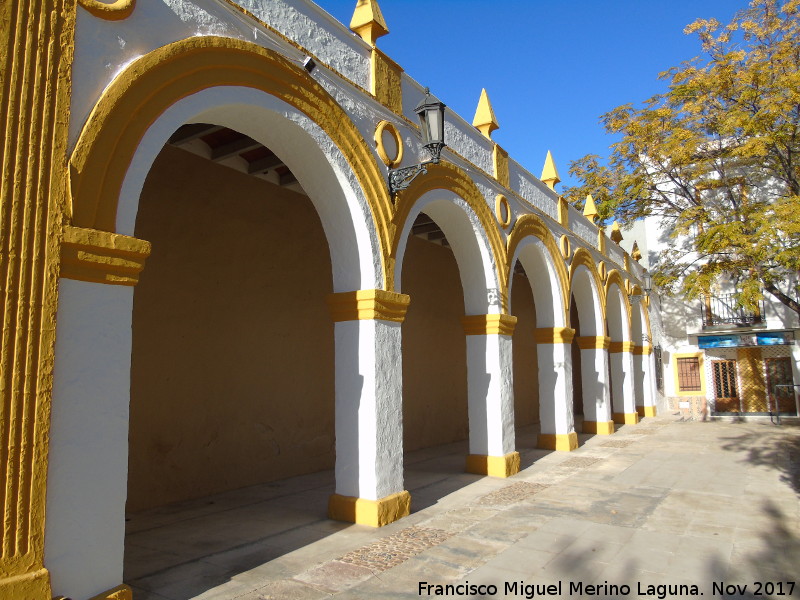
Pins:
x: 623, y: 401
x: 87, y: 478
x: 647, y: 362
x: 554, y: 352
x: 638, y: 380
x: 369, y: 409
x: 594, y: 379
x: 490, y: 392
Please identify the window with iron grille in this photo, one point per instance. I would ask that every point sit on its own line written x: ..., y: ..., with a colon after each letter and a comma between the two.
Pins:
x: 689, y: 374
x: 659, y: 369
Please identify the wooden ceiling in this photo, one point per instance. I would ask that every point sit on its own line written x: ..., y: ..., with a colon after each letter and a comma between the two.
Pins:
x: 244, y: 154
x: 235, y: 150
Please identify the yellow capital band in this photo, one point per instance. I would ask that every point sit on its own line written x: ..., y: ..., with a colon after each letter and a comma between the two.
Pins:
x: 498, y: 324
x: 593, y: 342
x: 621, y: 347
x: 368, y: 305
x: 554, y: 335
x: 102, y: 257
x: 643, y: 350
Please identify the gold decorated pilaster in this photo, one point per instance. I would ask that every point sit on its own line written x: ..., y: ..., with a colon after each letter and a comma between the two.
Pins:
x: 36, y: 49
x: 385, y: 81
x: 563, y: 212
x: 500, y: 161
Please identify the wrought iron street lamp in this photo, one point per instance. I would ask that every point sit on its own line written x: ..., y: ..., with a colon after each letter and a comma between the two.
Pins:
x: 430, y: 112
x: 647, y: 283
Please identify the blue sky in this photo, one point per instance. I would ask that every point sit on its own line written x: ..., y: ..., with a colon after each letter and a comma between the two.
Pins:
x: 551, y: 68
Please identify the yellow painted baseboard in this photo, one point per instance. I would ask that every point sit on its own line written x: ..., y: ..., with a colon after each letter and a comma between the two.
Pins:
x: 375, y: 513
x: 646, y: 411
x: 625, y: 418
x: 494, y: 466
x: 564, y: 442
x: 121, y: 592
x: 598, y: 427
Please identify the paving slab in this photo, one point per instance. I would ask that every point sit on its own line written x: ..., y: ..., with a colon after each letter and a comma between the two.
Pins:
x: 662, y: 503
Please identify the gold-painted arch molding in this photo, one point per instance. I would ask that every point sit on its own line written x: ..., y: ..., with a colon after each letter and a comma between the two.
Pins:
x: 533, y: 226
x: 159, y: 79
x: 110, y: 11
x: 447, y: 176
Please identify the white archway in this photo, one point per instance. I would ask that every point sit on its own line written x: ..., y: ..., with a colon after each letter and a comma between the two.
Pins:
x: 91, y: 392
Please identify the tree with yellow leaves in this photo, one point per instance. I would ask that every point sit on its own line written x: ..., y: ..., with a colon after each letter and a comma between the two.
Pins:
x: 717, y: 157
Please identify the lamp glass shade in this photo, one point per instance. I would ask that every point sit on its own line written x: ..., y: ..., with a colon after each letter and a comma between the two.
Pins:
x: 647, y: 280
x: 431, y: 120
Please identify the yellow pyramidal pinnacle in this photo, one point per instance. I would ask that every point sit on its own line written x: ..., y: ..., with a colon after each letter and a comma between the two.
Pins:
x: 549, y: 172
x: 636, y: 254
x: 368, y: 21
x: 616, y: 233
x: 484, y: 119
x: 590, y: 209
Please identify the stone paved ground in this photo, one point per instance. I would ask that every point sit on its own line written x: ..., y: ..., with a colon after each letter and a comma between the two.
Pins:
x: 657, y: 504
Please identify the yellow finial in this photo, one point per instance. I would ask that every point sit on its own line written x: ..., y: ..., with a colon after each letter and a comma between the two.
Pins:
x: 368, y: 22
x: 635, y: 252
x: 484, y: 119
x: 549, y: 172
x: 590, y: 209
x: 616, y: 233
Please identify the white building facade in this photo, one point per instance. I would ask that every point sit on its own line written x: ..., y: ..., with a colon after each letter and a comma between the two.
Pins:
x: 210, y: 284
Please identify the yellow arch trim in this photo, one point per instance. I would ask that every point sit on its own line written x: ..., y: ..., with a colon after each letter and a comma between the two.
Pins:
x: 532, y: 225
x: 154, y: 82
x: 447, y: 176
x: 615, y: 278
x: 583, y: 257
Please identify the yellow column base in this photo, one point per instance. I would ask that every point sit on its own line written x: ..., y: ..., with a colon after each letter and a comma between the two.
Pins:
x: 493, y: 466
x: 625, y: 418
x: 646, y: 411
x: 34, y: 585
x: 564, y: 442
x: 375, y: 513
x: 598, y: 427
x: 121, y: 592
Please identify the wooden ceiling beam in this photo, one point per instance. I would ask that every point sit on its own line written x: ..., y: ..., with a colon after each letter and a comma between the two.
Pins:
x: 264, y: 164
x: 192, y: 131
x: 234, y: 148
